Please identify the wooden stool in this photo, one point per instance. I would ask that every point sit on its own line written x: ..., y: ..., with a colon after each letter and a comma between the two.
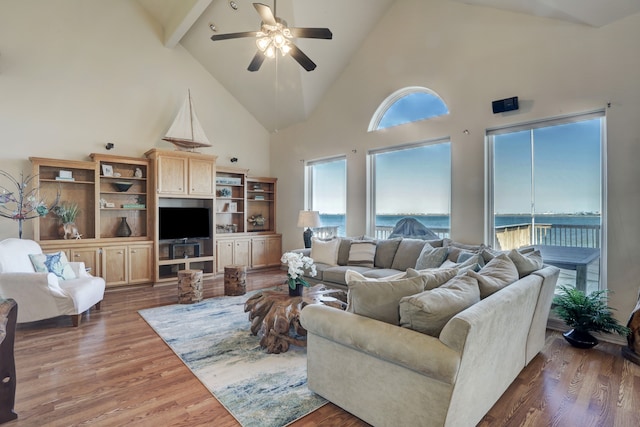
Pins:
x: 189, y: 286
x: 235, y: 280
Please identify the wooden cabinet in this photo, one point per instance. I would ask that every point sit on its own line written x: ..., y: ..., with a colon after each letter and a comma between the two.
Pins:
x: 233, y: 251
x: 182, y: 173
x: 230, y: 200
x: 140, y: 262
x: 266, y: 251
x: 201, y: 177
x: 115, y: 265
x: 90, y: 256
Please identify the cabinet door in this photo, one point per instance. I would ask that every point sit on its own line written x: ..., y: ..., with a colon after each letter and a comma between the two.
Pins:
x: 274, y: 250
x: 224, y: 249
x: 201, y: 177
x: 242, y: 252
x: 90, y: 257
x: 140, y: 270
x: 172, y: 175
x: 115, y: 265
x: 258, y: 252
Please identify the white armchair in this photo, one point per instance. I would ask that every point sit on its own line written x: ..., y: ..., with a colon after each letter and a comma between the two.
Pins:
x: 44, y: 295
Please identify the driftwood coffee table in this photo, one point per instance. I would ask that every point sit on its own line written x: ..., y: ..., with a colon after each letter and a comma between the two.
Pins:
x: 275, y: 316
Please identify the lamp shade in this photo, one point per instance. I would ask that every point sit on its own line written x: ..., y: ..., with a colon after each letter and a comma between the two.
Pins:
x: 309, y: 219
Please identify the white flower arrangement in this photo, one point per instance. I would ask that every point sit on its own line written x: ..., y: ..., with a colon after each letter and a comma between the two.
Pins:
x: 297, y: 263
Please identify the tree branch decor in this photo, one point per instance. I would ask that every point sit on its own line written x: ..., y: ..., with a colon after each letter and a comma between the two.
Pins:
x: 20, y: 204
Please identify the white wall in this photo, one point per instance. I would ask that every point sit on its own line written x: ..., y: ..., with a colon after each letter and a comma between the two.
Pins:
x: 76, y: 74
x: 470, y: 56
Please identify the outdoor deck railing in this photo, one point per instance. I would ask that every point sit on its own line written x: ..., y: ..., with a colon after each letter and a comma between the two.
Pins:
x: 509, y: 236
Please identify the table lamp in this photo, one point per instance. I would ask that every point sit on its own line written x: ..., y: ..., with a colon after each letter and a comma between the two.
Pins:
x: 308, y: 219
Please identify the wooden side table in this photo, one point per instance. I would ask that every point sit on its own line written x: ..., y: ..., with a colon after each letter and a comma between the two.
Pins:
x: 235, y: 280
x: 189, y: 286
x: 8, y: 316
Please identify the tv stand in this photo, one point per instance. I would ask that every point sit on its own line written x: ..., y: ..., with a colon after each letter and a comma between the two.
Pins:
x: 181, y: 251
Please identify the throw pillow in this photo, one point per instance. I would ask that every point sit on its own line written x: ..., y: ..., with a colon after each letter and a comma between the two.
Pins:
x: 434, y: 277
x: 325, y: 252
x: 55, y: 263
x: 431, y: 257
x: 498, y: 273
x: 380, y: 300
x: 407, y: 254
x: 362, y: 253
x: 354, y: 276
x: 526, y: 263
x: 343, y: 250
x: 385, y: 252
x: 429, y: 311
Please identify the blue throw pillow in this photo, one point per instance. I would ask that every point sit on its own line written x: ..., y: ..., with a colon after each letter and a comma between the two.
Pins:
x: 55, y: 263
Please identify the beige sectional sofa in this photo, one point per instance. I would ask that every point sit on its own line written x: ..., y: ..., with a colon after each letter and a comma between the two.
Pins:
x: 392, y: 256
x: 414, y: 375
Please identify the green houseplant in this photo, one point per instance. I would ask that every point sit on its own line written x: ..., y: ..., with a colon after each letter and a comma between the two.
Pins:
x: 586, y: 314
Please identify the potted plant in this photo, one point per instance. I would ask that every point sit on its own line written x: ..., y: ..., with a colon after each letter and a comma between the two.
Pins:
x: 67, y: 213
x: 586, y: 314
x: 297, y: 263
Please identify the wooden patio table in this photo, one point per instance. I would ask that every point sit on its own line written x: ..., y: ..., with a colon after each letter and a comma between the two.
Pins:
x: 570, y: 258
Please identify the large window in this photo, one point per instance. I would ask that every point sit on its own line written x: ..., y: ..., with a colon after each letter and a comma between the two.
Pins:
x: 327, y: 193
x: 410, y: 181
x: 546, y: 190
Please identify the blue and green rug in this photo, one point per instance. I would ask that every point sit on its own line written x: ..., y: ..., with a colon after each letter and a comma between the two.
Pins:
x: 212, y: 338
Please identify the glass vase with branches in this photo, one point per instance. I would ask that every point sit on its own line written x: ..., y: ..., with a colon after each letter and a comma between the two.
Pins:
x: 19, y: 203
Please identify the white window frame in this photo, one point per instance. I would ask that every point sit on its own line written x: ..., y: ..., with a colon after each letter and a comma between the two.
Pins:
x: 489, y: 232
x: 395, y: 97
x: 371, y: 182
x: 308, y: 181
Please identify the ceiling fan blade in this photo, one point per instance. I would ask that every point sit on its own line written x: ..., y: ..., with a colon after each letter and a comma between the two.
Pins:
x: 233, y: 35
x: 256, y: 62
x: 302, y: 59
x: 265, y: 13
x: 312, y: 33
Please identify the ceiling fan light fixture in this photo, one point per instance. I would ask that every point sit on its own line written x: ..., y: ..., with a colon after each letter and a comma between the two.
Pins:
x: 270, y: 52
x: 263, y: 42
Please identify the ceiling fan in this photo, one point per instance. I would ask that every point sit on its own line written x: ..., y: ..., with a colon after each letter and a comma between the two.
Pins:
x: 275, y: 36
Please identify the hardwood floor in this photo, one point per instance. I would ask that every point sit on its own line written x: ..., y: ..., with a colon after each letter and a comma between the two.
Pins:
x: 114, y: 370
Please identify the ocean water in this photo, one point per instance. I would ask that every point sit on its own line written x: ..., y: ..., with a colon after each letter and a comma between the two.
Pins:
x: 443, y: 221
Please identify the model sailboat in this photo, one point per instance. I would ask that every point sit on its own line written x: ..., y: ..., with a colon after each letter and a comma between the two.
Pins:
x: 186, y: 133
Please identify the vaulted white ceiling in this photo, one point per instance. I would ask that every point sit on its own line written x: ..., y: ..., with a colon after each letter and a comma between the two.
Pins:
x: 282, y: 93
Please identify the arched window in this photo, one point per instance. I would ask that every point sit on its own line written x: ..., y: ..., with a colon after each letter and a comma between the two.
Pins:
x: 407, y: 105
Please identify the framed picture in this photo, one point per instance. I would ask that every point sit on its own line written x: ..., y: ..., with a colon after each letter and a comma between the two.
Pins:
x: 233, y: 207
x: 107, y: 170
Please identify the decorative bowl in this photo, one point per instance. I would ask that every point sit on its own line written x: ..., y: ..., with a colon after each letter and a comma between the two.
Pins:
x: 122, y: 185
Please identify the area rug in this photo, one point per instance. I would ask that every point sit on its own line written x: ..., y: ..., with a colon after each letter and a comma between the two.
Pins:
x: 212, y: 338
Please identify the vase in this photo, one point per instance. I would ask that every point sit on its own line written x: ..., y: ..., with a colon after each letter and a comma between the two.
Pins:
x: 580, y: 339
x: 297, y: 292
x: 123, y: 229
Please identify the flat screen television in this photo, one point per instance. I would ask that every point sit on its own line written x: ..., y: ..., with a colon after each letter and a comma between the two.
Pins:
x: 184, y: 223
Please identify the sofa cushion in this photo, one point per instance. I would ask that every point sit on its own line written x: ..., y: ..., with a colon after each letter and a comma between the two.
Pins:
x: 407, y: 254
x: 498, y: 273
x: 55, y: 263
x: 457, y: 248
x: 430, y: 310
x: 362, y: 253
x: 526, y: 263
x: 431, y: 257
x: 379, y: 273
x: 343, y: 250
x: 380, y: 299
x: 385, y: 252
x: 355, y: 276
x: 434, y: 276
x: 336, y: 274
x: 325, y: 252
